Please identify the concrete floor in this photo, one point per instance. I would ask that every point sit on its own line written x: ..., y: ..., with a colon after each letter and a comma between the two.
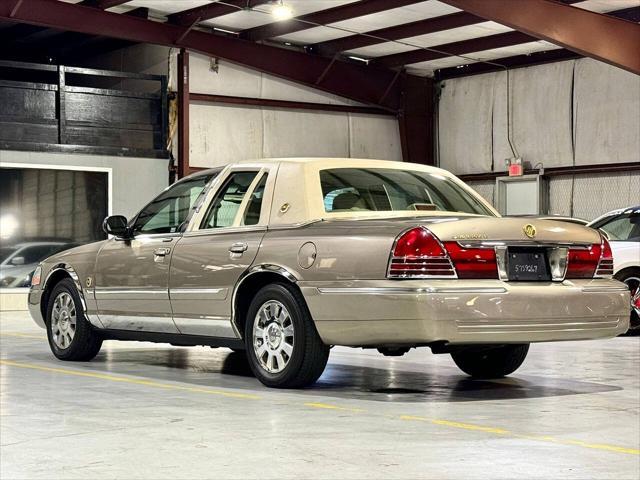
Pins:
x: 154, y: 411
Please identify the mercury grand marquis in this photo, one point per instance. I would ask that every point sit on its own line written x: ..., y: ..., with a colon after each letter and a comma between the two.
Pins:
x: 285, y: 258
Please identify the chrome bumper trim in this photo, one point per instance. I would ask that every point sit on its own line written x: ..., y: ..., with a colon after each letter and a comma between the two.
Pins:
x: 408, y: 291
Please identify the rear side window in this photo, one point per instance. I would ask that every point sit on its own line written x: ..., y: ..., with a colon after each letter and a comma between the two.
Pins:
x: 224, y: 208
x: 254, y: 207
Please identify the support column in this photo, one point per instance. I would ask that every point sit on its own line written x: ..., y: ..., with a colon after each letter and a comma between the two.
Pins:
x: 183, y: 113
x: 416, y: 120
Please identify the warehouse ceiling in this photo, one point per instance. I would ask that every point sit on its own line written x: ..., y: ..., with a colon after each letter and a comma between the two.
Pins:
x: 425, y: 37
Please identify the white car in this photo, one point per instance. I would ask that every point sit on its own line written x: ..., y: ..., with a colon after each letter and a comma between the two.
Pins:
x: 622, y: 227
x: 18, y: 261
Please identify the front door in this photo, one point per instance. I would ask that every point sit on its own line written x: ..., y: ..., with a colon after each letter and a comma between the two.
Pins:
x: 132, y: 276
x: 221, y: 246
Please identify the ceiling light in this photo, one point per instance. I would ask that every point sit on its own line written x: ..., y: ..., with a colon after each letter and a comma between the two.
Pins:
x: 8, y: 226
x: 281, y: 12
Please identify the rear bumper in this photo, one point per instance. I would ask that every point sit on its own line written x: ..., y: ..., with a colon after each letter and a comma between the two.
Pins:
x: 414, y: 312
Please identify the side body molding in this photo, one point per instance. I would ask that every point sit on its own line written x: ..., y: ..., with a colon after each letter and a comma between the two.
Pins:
x: 252, y: 272
x: 86, y: 296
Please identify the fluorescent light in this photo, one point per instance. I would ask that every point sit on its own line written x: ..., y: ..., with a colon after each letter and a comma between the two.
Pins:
x: 281, y: 12
x: 8, y: 226
x: 360, y: 59
x: 218, y: 29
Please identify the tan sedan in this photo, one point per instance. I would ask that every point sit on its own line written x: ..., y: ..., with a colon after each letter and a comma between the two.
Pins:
x: 284, y: 258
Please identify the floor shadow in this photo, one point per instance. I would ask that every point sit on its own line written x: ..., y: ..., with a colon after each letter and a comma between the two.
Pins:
x: 222, y: 368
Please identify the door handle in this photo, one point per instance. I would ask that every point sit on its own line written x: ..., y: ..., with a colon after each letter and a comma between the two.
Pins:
x: 161, y: 252
x: 238, y: 248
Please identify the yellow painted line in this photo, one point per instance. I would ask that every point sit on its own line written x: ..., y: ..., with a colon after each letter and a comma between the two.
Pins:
x: 22, y: 335
x: 133, y: 381
x: 537, y: 438
x: 327, y: 406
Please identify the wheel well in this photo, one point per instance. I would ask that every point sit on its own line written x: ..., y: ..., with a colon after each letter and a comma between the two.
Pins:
x: 627, y: 271
x: 248, y: 289
x: 52, y: 281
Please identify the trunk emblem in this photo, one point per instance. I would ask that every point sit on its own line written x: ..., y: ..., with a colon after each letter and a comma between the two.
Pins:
x: 529, y: 230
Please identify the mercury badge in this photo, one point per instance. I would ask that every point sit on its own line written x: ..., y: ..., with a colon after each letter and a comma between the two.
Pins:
x: 529, y: 230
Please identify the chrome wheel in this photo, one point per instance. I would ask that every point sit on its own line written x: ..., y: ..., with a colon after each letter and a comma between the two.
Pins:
x: 63, y: 320
x: 273, y: 337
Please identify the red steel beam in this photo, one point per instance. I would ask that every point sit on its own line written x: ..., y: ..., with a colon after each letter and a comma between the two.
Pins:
x: 603, y: 37
x: 183, y: 113
x: 477, y: 45
x: 456, y: 48
x: 102, y: 4
x: 212, y: 10
x: 323, y: 17
x: 363, y: 83
x: 285, y: 104
x: 406, y: 30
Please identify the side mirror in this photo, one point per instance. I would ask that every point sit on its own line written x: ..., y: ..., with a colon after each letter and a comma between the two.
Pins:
x: 116, y: 225
x: 17, y: 261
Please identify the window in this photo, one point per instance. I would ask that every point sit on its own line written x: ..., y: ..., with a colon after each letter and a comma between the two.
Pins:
x: 254, y: 207
x: 625, y: 227
x: 380, y: 189
x: 44, y: 211
x: 225, y: 206
x: 171, y: 208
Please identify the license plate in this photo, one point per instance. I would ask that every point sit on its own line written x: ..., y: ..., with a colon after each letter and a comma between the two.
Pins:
x: 527, y: 265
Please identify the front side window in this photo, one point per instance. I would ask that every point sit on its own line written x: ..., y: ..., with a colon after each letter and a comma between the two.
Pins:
x: 382, y: 189
x: 254, y: 207
x: 171, y: 208
x: 224, y: 208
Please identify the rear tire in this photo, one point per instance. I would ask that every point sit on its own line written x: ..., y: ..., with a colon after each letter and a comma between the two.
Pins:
x: 283, y: 345
x: 491, y: 362
x: 71, y: 337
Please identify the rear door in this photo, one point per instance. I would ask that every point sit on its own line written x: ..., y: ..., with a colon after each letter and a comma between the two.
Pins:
x: 220, y: 246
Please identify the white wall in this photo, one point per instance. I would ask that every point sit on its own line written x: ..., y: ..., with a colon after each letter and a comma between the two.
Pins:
x: 225, y: 133
x: 135, y: 181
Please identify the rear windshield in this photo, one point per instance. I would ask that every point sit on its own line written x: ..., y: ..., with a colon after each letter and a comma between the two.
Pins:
x: 383, y: 190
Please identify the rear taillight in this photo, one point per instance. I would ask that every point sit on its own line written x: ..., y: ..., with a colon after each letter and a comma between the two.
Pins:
x: 473, y: 262
x: 605, y: 265
x: 417, y: 253
x: 589, y: 262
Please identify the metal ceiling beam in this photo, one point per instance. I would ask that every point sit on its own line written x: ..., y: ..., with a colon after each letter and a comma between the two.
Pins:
x: 466, y: 47
x: 516, y: 61
x: 456, y: 48
x: 212, y: 10
x: 102, y: 4
x: 363, y: 83
x: 323, y: 17
x: 406, y: 30
x: 603, y: 37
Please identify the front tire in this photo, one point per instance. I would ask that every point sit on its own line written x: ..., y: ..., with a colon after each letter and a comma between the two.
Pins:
x: 283, y: 345
x: 491, y: 362
x: 631, y: 276
x: 71, y: 336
